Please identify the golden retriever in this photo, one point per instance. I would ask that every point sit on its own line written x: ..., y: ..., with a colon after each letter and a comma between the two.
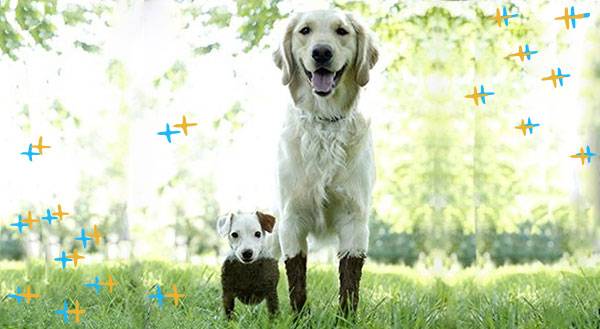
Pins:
x: 326, y: 169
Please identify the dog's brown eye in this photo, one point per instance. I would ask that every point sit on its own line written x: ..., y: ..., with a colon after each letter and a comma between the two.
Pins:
x: 341, y: 31
x: 305, y: 30
x: 257, y: 234
x: 234, y: 235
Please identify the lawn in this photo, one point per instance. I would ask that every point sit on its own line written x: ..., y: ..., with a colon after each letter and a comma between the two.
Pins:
x: 392, y: 297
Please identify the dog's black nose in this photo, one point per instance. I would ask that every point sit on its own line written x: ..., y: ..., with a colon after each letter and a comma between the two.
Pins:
x: 322, y: 54
x: 247, y: 254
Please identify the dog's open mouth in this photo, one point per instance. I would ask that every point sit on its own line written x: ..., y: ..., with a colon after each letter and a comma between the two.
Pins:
x: 323, y: 81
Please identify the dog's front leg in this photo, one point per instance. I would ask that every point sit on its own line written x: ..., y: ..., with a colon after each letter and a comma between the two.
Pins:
x: 228, y: 303
x: 352, y: 253
x: 294, y: 247
x: 350, y: 273
x: 295, y: 268
x: 273, y: 302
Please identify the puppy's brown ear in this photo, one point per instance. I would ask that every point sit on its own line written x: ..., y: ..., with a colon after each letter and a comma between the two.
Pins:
x: 266, y: 221
x: 283, y: 55
x: 366, y: 53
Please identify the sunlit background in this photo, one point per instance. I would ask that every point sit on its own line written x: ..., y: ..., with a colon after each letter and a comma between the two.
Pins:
x: 457, y: 184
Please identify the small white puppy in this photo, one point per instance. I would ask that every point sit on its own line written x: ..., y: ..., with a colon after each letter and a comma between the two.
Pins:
x: 247, y: 235
x: 249, y: 273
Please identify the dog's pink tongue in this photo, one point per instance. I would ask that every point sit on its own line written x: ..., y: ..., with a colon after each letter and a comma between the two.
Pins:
x: 322, y: 81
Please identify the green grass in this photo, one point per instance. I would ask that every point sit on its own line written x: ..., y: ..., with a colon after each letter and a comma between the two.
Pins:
x: 392, y: 297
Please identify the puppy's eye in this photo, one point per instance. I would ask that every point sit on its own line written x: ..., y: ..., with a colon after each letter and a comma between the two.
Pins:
x: 257, y: 234
x: 234, y: 235
x: 305, y: 30
x: 341, y: 31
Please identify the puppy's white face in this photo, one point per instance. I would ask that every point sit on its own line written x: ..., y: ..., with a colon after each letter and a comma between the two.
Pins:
x: 246, y: 234
x: 324, y: 43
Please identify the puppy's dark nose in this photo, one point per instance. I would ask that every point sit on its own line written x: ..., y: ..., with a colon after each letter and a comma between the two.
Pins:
x: 247, y: 254
x: 322, y: 54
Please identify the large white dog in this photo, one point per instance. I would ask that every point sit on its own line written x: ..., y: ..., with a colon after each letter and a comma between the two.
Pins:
x: 326, y: 170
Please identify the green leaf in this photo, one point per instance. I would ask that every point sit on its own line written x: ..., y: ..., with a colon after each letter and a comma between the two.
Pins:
x: 75, y: 15
x: 10, y: 39
x: 176, y: 75
x: 117, y: 74
x: 36, y: 22
x: 90, y: 48
x: 260, y: 15
x: 219, y: 17
x: 203, y: 50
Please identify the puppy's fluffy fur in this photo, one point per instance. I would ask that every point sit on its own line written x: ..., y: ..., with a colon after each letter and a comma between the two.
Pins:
x: 250, y: 283
x: 250, y: 273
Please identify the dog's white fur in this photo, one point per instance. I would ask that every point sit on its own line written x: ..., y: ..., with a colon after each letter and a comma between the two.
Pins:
x: 241, y: 230
x: 326, y: 169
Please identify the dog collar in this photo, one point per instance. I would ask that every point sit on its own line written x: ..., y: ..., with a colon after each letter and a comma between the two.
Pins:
x: 331, y: 120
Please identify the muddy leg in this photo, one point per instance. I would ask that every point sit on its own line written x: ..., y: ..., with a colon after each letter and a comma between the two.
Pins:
x: 295, y: 268
x: 350, y: 273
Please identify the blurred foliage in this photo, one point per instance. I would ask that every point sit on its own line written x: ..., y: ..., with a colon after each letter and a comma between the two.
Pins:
x: 546, y: 242
x: 176, y: 76
x: 117, y: 74
x: 448, y: 170
x: 259, y: 17
x: 197, y: 229
x: 90, y: 48
x: 232, y: 119
x: 203, y: 50
x: 523, y: 246
x: 11, y: 247
x: 219, y: 17
x: 388, y: 246
x: 591, y: 126
x: 63, y: 116
x: 75, y: 14
x: 33, y: 23
x: 208, y: 20
x: 34, y: 17
x: 447, y: 183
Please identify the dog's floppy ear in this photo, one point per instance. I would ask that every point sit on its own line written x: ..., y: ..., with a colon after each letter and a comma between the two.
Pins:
x: 224, y: 224
x: 283, y: 55
x: 266, y: 221
x: 366, y: 53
